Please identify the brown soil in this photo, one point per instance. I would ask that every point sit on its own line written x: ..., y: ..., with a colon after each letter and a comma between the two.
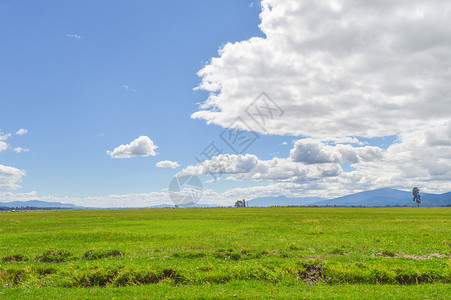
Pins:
x: 312, y: 273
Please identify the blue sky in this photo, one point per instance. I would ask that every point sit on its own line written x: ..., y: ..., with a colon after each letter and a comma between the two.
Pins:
x: 86, y: 77
x: 65, y: 66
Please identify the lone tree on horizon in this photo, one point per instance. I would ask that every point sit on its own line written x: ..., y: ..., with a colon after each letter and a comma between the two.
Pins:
x: 240, y: 203
x: 416, y: 196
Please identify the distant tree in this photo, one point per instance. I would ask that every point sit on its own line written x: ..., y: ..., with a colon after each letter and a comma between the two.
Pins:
x: 240, y: 203
x: 416, y: 196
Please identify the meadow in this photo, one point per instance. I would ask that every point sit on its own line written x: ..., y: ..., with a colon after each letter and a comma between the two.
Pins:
x: 292, y: 252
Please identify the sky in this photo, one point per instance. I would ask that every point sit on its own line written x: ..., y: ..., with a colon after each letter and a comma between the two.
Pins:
x: 104, y: 103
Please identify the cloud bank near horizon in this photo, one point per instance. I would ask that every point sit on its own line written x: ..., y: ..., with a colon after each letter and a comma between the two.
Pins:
x: 317, y: 167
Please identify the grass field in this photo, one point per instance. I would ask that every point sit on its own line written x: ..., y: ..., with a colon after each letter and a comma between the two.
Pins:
x: 226, y: 252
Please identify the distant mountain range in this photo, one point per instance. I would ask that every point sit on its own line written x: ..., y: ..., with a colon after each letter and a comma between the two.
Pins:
x: 37, y: 203
x: 44, y: 204
x: 379, y: 197
x: 185, y: 205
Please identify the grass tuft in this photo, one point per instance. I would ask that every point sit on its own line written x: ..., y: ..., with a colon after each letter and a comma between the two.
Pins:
x: 337, y: 251
x: 99, y: 254
x: 55, y: 256
x: 388, y: 253
x: 15, y: 258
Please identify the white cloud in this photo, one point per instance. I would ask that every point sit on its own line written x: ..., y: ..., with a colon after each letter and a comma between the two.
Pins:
x: 22, y: 131
x: 20, y: 150
x: 10, y: 177
x: 167, y: 164
x: 3, y: 138
x: 224, y: 164
x: 156, y: 198
x: 312, y: 151
x: 141, y: 147
x: 338, y: 68
x: 74, y: 36
x: 3, y: 146
x: 438, y: 135
x: 250, y: 167
x: 410, y: 161
x: 126, y: 200
x: 344, y: 140
x: 128, y: 88
x: 419, y: 158
x: 289, y: 189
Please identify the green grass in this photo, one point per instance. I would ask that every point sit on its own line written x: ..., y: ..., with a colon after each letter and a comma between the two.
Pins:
x: 195, y: 253
x: 239, y: 290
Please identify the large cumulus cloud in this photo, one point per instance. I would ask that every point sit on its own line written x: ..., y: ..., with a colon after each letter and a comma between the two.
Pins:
x: 338, y: 68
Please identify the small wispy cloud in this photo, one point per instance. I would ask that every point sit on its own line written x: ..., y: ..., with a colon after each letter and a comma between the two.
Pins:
x: 3, y: 146
x: 73, y: 36
x: 4, y: 136
x: 22, y: 131
x: 128, y: 88
x: 20, y: 150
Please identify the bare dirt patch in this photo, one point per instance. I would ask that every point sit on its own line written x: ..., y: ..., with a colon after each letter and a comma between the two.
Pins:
x: 422, y: 257
x: 312, y: 273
